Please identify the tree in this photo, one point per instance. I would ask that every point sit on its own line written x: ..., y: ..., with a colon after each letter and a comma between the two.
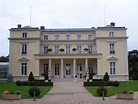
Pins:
x: 31, y: 77
x: 106, y: 77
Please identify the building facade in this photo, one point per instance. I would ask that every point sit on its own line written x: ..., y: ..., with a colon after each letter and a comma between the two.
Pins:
x: 67, y: 52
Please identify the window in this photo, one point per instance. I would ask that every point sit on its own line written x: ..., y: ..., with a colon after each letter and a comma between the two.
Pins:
x: 23, y: 68
x: 89, y: 49
x: 45, y: 68
x: 45, y: 37
x: 24, y: 35
x: 112, y: 67
x: 56, y: 69
x: 78, y: 37
x: 56, y: 37
x: 67, y: 37
x: 89, y: 37
x: 3, y: 72
x: 112, y: 48
x: 90, y: 67
x: 111, y: 34
x: 56, y: 49
x: 79, y: 49
x: 24, y: 48
x: 45, y: 49
x: 67, y: 49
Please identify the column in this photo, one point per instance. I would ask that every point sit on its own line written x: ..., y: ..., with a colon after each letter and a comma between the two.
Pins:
x: 74, y: 67
x: 86, y: 69
x: 99, y: 66
x: 37, y: 67
x: 61, y: 69
x: 49, y: 71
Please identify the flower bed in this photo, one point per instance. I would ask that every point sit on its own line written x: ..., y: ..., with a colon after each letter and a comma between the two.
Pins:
x: 11, y: 95
x: 125, y: 95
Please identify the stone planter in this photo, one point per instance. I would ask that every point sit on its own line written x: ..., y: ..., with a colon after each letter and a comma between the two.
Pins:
x: 125, y: 96
x: 11, y: 96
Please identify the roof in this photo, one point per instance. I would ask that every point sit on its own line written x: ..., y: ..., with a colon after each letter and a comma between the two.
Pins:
x: 25, y: 28
x: 110, y: 27
x: 70, y: 30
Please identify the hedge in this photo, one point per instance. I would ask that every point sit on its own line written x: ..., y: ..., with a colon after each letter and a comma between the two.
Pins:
x: 36, y: 83
x: 102, y: 83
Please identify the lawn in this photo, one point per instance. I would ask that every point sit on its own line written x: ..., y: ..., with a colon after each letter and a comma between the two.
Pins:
x: 11, y: 87
x: 124, y: 86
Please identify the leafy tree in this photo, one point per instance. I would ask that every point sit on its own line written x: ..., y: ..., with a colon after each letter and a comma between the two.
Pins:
x: 31, y: 77
x: 4, y: 59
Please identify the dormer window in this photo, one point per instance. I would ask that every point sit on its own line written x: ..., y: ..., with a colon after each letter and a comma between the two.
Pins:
x: 111, y: 34
x: 24, y: 35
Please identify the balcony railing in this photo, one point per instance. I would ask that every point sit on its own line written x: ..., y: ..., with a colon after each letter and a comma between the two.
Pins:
x: 71, y: 52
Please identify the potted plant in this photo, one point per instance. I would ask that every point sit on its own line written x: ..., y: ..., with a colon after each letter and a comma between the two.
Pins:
x: 11, y: 95
x: 125, y: 95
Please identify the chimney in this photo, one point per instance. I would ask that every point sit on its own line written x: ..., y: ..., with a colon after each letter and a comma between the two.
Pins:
x: 112, y: 24
x: 42, y: 27
x: 19, y: 25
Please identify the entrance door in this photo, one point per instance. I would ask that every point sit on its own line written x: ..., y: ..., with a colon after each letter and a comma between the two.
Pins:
x: 56, y: 70
x: 79, y: 70
x: 68, y: 70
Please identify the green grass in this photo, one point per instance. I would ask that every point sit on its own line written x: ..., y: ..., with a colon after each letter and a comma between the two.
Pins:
x: 124, y: 86
x: 11, y: 87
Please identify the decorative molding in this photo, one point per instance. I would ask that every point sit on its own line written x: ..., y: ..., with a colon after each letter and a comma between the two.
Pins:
x: 112, y: 58
x: 23, y: 59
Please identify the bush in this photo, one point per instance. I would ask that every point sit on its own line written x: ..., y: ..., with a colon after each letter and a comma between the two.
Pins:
x: 37, y: 83
x: 106, y: 77
x: 97, y: 80
x: 18, y: 83
x: 31, y: 77
x: 46, y: 75
x: 34, y: 89
x: 90, y: 75
x: 100, y: 91
x: 116, y: 83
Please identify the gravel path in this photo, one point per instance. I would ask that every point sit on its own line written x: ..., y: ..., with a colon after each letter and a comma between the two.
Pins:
x: 69, y: 92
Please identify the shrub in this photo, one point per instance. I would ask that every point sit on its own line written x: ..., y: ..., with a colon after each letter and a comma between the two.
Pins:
x: 18, y: 83
x: 90, y: 75
x: 100, y: 91
x: 116, y: 83
x: 34, y: 89
x: 46, y: 75
x: 97, y: 80
x: 106, y: 77
x: 31, y: 77
x: 37, y: 83
x: 18, y: 92
x: 6, y: 92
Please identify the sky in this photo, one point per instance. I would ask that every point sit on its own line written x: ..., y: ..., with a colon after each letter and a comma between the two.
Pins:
x: 68, y: 14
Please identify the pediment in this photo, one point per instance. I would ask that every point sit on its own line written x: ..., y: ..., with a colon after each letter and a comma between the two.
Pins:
x: 23, y: 59
x: 112, y: 58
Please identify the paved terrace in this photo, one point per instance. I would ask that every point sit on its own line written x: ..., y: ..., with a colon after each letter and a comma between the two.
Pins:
x: 68, y: 92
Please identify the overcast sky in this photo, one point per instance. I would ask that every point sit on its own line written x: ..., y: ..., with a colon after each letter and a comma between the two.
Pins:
x: 68, y: 13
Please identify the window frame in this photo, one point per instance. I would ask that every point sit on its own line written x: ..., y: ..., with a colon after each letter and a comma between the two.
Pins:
x: 23, y: 67
x: 56, y: 37
x: 112, y: 48
x: 45, y: 37
x: 111, y: 34
x: 24, y: 34
x: 67, y: 37
x: 90, y: 37
x: 78, y: 37
x: 24, y: 49
x: 112, y: 67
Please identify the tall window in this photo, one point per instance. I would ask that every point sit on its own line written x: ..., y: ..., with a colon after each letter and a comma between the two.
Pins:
x: 24, y: 35
x: 89, y: 49
x: 56, y: 49
x: 67, y: 37
x: 112, y: 48
x: 23, y: 68
x: 111, y: 34
x: 56, y: 37
x: 24, y: 48
x: 90, y: 67
x: 78, y: 37
x: 112, y: 68
x: 45, y: 37
x: 67, y: 49
x: 89, y: 37
x: 3, y: 72
x: 78, y: 49
x: 45, y: 68
x: 56, y: 69
x: 45, y: 49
